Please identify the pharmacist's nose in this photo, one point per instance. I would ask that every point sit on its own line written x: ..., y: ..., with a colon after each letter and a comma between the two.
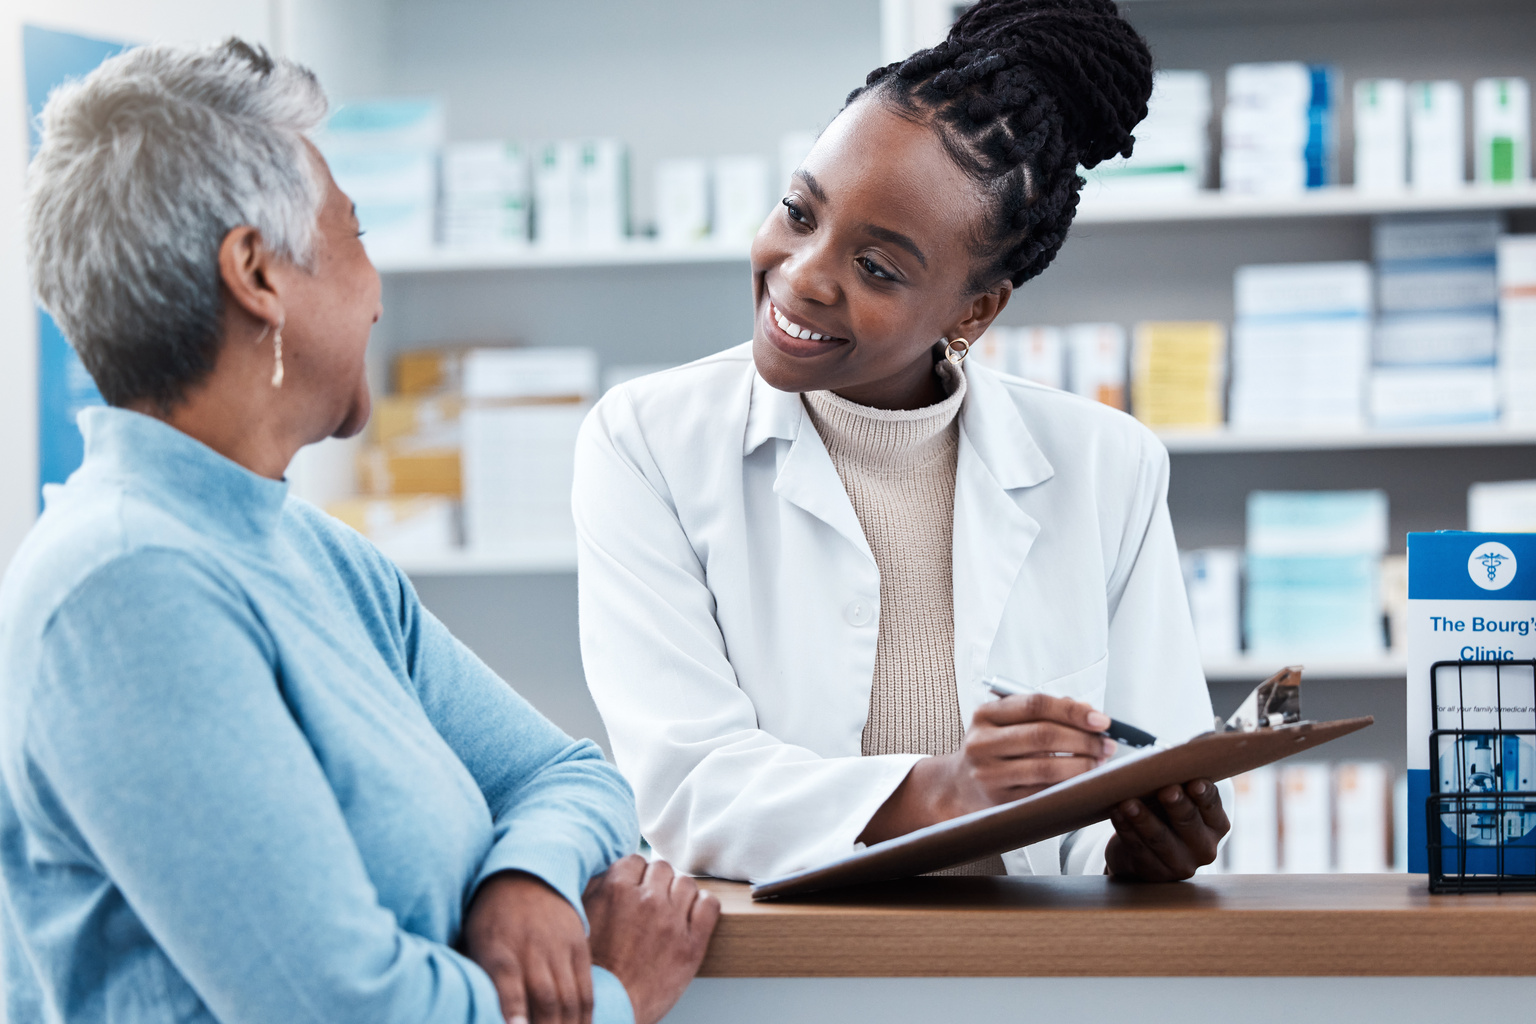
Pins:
x: 809, y: 273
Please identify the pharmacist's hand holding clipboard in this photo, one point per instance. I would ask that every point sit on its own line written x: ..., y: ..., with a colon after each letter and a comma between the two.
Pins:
x: 1165, y: 841
x: 1162, y: 842
x: 1266, y: 728
x: 1026, y: 741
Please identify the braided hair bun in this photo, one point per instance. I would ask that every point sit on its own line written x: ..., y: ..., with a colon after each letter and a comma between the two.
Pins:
x: 1022, y: 93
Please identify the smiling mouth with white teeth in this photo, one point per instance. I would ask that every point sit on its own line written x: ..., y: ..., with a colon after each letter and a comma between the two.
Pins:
x: 794, y: 330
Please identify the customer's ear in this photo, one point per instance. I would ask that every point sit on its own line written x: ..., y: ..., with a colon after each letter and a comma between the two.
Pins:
x: 245, y: 268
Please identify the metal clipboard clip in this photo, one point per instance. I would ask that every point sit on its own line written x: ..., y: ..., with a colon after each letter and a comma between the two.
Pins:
x: 1274, y: 702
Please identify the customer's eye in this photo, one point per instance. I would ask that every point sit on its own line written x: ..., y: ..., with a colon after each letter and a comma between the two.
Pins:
x: 796, y: 214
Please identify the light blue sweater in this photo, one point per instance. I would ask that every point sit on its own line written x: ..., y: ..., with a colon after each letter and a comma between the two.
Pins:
x: 246, y: 776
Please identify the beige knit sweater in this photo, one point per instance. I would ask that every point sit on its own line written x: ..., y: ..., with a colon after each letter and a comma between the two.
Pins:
x: 898, y: 467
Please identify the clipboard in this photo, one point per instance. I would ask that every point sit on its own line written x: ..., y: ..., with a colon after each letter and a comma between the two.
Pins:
x: 1064, y: 807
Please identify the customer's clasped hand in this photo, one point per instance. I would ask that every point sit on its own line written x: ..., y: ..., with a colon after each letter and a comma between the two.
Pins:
x: 650, y: 928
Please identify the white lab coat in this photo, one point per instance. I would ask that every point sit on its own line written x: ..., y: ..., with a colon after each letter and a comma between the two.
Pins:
x: 730, y: 603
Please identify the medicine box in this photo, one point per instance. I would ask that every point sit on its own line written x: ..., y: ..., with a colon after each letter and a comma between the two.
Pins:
x: 426, y: 421
x: 486, y: 195
x: 600, y: 197
x: 419, y: 525
x: 1435, y: 237
x: 1402, y: 397
x: 1039, y: 354
x: 682, y: 201
x: 1426, y: 339
x: 1253, y: 845
x: 1381, y: 135
x: 1517, y: 328
x: 1313, y: 573
x: 519, y: 465
x: 1306, y: 818
x: 1307, y: 290
x: 555, y: 169
x: 1178, y: 373
x: 740, y: 198
x: 1471, y: 597
x: 1501, y: 130
x: 1502, y: 506
x: 1213, y: 584
x: 385, y: 470
x: 513, y: 373
x: 384, y: 154
x: 1172, y: 144
x: 1362, y: 815
x: 1096, y: 362
x: 1436, y: 148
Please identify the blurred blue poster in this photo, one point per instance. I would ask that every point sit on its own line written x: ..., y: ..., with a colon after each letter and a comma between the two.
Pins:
x: 63, y: 385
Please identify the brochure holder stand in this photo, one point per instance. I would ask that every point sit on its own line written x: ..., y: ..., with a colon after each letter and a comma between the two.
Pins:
x: 1481, y: 811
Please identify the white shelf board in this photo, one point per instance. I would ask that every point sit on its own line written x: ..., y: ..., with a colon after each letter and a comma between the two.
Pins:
x: 544, y: 557
x: 1334, y: 201
x: 1208, y: 205
x: 1216, y: 441
x: 532, y: 257
x: 1244, y: 670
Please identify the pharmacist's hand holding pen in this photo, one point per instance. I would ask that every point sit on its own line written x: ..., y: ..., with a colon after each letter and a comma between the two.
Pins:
x: 1016, y: 746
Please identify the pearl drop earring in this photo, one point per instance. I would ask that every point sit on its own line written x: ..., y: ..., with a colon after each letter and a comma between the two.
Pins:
x: 277, y: 356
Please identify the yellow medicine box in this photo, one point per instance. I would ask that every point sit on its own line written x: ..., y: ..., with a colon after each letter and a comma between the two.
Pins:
x: 390, y: 471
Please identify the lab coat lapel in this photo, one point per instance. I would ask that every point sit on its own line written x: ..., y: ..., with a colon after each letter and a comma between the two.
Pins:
x: 806, y: 476
x: 993, y: 534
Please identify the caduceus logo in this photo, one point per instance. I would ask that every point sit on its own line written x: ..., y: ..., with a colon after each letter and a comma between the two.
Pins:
x: 1492, y: 566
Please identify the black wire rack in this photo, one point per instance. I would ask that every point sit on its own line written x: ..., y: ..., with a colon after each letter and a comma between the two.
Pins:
x: 1480, y: 816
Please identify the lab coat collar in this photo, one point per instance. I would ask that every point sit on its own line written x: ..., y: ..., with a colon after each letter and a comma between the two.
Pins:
x: 991, y: 422
x: 997, y: 455
x: 989, y: 419
x: 771, y: 414
x: 806, y: 477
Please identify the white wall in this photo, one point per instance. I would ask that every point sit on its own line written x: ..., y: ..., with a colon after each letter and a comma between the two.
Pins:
x: 140, y: 21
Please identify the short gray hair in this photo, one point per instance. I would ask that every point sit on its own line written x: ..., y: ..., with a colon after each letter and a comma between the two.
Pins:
x: 146, y: 164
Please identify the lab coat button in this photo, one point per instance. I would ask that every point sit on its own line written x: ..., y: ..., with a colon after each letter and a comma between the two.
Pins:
x: 859, y: 613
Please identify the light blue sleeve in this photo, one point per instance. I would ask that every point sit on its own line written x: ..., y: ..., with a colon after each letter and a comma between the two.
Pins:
x: 560, y: 811
x: 157, y: 726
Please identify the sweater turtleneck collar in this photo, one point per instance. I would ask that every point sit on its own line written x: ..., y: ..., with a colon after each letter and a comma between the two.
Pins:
x: 888, y: 440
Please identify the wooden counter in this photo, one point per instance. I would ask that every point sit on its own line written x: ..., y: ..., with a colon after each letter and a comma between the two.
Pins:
x: 1237, y: 925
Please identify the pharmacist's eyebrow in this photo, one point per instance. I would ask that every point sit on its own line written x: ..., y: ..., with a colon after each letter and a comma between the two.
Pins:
x: 810, y: 183
x: 884, y: 234
x: 896, y: 238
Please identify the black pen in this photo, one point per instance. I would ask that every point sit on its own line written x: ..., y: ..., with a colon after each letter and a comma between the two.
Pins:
x: 1117, y: 731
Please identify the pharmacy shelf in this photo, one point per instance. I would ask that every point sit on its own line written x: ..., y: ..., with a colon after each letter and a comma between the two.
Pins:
x: 1335, y: 201
x: 533, y: 257
x: 560, y: 557
x: 1183, y: 442
x: 1246, y: 670
x: 1202, y: 206
x: 544, y: 557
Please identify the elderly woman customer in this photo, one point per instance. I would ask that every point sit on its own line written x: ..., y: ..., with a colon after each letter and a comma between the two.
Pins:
x: 246, y: 775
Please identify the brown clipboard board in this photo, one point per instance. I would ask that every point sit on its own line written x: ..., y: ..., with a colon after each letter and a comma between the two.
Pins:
x: 1062, y: 808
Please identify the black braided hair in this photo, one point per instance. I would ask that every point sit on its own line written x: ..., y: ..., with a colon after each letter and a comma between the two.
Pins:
x: 1020, y: 94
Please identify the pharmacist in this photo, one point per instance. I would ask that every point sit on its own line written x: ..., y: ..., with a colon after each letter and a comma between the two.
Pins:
x: 799, y: 558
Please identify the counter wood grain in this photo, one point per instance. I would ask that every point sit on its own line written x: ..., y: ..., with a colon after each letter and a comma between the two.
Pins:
x: 1237, y: 925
